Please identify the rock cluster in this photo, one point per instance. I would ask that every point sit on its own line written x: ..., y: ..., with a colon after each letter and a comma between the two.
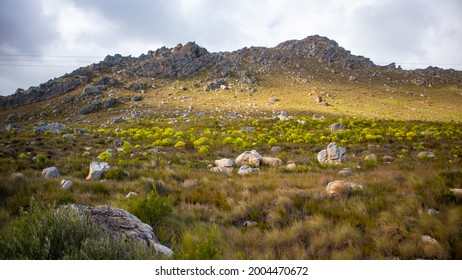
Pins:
x: 333, y: 154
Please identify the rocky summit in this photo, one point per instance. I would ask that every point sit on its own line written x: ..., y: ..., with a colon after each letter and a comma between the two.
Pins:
x: 309, y: 59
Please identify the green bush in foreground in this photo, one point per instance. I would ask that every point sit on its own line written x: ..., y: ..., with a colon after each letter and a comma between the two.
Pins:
x: 44, y: 233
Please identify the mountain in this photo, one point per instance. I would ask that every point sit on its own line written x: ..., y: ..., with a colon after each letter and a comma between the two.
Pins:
x: 314, y: 58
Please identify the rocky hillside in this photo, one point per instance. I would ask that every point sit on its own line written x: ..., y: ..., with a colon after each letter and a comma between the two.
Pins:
x: 314, y: 57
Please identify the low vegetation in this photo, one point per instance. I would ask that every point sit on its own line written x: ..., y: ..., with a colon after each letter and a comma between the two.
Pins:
x: 278, y: 213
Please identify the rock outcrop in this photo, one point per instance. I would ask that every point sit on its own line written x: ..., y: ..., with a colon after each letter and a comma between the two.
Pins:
x: 96, y: 170
x: 333, y: 154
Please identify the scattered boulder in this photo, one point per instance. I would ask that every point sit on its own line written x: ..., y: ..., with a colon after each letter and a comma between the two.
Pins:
x: 318, y: 99
x: 56, y: 128
x: 250, y: 224
x: 276, y: 149
x: 283, y: 116
x: 131, y: 194
x: 333, y: 154
x: 66, y: 184
x: 189, y: 184
x: 122, y: 223
x: 13, y: 127
x: 426, y: 154
x: 90, y: 108
x: 337, y: 127
x: 246, y: 170
x: 432, y: 212
x: 224, y: 162
x: 270, y: 161
x: 340, y: 187
x: 50, y: 172
x: 201, y: 115
x: 80, y: 131
x: 456, y: 191
x: 248, y: 129
x: 118, y: 120
x: 346, y: 172
x: 274, y: 99
x: 92, y: 90
x: 387, y: 159
x: 251, y: 158
x: 118, y: 143
x: 291, y: 166
x: 97, y: 169
x: 222, y: 169
x: 426, y: 239
x: 109, y: 102
x: 372, y: 157
x: 137, y: 98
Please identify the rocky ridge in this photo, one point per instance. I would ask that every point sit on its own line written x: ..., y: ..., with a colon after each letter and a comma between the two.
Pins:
x: 189, y: 60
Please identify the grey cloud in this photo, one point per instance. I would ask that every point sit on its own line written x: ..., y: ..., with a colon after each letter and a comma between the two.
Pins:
x: 24, y: 27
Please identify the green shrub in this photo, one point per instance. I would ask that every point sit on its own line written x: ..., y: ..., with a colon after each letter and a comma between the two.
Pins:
x: 40, y: 158
x: 105, y: 156
x: 200, y: 245
x: 116, y: 174
x: 151, y: 209
x: 45, y: 233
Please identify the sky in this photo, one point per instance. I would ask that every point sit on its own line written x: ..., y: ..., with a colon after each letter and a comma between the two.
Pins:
x: 44, y: 39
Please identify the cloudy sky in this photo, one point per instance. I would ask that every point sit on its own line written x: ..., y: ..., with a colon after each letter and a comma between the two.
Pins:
x: 43, y: 39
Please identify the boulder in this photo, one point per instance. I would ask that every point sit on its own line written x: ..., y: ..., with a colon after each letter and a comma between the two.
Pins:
x: 276, y: 149
x: 387, y: 158
x: 190, y: 183
x: 131, y: 194
x: 333, y: 154
x: 340, y: 187
x: 245, y: 170
x: 96, y: 170
x: 283, y: 116
x: 252, y: 158
x: 222, y: 169
x: 93, y: 90
x: 426, y: 154
x: 337, y: 127
x: 372, y: 157
x: 56, y: 128
x: 137, y: 98
x: 270, y: 161
x: 90, y: 108
x: 50, y: 172
x: 13, y: 127
x: 66, y: 184
x: 109, y: 102
x: 346, y: 172
x: 122, y: 223
x: 291, y: 166
x: 456, y: 191
x: 426, y: 239
x: 224, y: 162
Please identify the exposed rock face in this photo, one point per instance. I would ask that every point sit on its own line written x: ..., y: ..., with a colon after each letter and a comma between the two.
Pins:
x: 270, y: 161
x: 45, y: 91
x: 121, y: 222
x: 96, y: 170
x: 50, y: 172
x: 346, y: 172
x: 340, y: 187
x: 251, y: 158
x: 332, y: 154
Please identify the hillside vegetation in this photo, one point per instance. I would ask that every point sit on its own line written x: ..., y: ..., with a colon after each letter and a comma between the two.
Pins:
x: 161, y: 122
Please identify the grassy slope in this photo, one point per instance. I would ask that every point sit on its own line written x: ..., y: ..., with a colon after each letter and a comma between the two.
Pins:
x: 295, y: 218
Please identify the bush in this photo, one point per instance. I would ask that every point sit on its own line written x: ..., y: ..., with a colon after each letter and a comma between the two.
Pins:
x: 200, y: 245
x: 116, y: 174
x: 44, y: 233
x: 151, y: 209
x: 105, y: 156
